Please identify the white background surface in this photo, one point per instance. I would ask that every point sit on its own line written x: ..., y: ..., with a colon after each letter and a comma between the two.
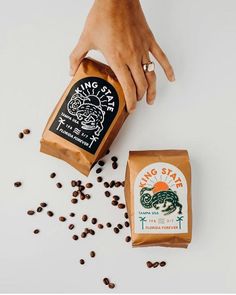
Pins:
x: 197, y: 112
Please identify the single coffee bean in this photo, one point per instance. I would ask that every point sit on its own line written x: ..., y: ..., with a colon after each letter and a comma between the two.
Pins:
x: 126, y: 224
x: 128, y: 239
x: 114, y: 159
x: 149, y: 264
x: 81, y: 188
x: 126, y: 215
x: 53, y: 175
x: 73, y: 183
x: 116, y: 230
x: 74, y: 201
x: 99, y: 170
x: 114, y: 165
x: 72, y: 214
x: 86, y: 230
x: 116, y: 198
x: 71, y: 226
x: 50, y: 213
x: 87, y: 196
x: 155, y: 264
x: 107, y: 152
x: 92, y: 232
x: 120, y: 226
x: 99, y: 179
x: 39, y: 209
x: 17, y: 184
x: 82, y: 261
x: 75, y: 237
x: 111, y: 285
x: 62, y: 218
x: 89, y: 185
x: 92, y: 254
x: 121, y: 206
x: 112, y: 183
x: 118, y: 184
x: 21, y: 135
x: 59, y: 185
x: 123, y: 183
x: 101, y: 163
x: 82, y: 196
x: 100, y: 226
x: 94, y: 220
x: 106, y: 184
x: 114, y: 203
x: 84, y: 217
x: 43, y: 205
x: 108, y: 224
x: 78, y: 183
x: 163, y: 263
x: 106, y: 281
x: 83, y: 235
x: 26, y: 131
x: 30, y: 212
x: 75, y: 194
x: 107, y: 193
x: 36, y: 231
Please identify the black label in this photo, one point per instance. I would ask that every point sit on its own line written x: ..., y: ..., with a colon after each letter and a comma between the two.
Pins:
x: 86, y: 113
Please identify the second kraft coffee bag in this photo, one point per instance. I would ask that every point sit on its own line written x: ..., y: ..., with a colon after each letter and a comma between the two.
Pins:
x: 87, y: 118
x: 158, y: 198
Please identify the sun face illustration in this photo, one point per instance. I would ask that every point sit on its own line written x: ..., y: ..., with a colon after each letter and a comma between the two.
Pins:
x: 160, y: 186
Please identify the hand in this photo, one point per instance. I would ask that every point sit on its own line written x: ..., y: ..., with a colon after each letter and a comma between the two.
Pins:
x: 118, y: 29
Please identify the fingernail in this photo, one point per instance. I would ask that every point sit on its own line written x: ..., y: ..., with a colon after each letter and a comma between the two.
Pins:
x: 151, y: 101
x: 172, y: 79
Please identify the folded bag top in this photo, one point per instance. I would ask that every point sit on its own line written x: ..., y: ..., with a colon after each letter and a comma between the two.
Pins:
x: 87, y: 118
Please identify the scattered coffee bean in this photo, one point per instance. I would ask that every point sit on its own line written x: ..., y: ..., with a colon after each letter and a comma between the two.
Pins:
x: 114, y: 159
x: 83, y: 235
x: 114, y: 165
x: 74, y: 201
x: 62, y: 218
x: 112, y: 183
x: 87, y: 196
x: 118, y: 184
x: 107, y: 152
x: 94, y: 220
x: 36, y: 231
x: 39, y: 209
x: 73, y: 183
x: 30, y: 212
x: 21, y: 135
x: 89, y: 185
x: 99, y: 179
x: 116, y: 198
x: 84, y: 217
x: 106, y: 281
x: 59, y: 185
x: 71, y: 226
x: 106, y: 184
x: 53, y: 174
x: 82, y: 196
x: 101, y: 163
x: 17, y: 184
x: 92, y: 232
x: 116, y: 230
x: 126, y: 215
x: 82, y: 261
x: 86, y: 230
x: 128, y: 239
x: 43, y: 205
x: 163, y: 263
x: 72, y: 214
x: 26, y: 131
x: 107, y: 193
x: 75, y: 237
x: 114, y: 203
x: 99, y: 170
x: 149, y: 264
x: 121, y: 206
x: 126, y: 224
x: 81, y: 188
x: 155, y: 264
x: 108, y: 224
x: 120, y: 226
x: 78, y: 182
x: 75, y: 194
x: 92, y: 254
x: 111, y: 285
x: 50, y: 213
x: 100, y: 226
x: 123, y: 183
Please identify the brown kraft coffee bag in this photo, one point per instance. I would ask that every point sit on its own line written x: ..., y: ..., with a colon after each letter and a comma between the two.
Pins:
x: 87, y: 118
x: 158, y: 198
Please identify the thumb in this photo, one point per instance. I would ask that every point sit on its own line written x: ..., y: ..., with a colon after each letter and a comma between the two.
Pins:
x: 76, y: 56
